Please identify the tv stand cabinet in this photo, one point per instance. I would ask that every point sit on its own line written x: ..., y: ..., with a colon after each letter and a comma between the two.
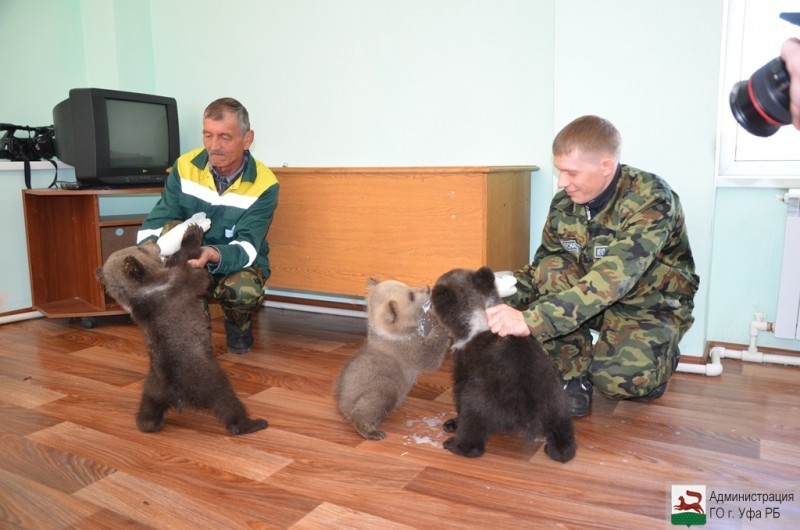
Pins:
x: 67, y: 241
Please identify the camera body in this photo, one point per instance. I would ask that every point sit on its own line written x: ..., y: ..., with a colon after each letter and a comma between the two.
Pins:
x: 38, y: 144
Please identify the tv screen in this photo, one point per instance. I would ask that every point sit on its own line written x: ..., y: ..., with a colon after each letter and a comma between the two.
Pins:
x: 114, y: 138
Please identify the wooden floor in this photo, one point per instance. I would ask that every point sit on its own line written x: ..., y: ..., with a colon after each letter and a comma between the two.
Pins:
x: 71, y: 456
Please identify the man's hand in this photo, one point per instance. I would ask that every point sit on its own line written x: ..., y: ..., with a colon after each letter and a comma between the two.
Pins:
x: 207, y: 255
x: 790, y: 53
x: 505, y: 320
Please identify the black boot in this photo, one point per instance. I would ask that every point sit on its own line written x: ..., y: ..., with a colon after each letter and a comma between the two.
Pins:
x: 579, y: 390
x: 238, y: 341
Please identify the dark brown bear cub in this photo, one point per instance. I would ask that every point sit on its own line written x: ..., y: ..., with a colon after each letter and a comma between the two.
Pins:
x: 165, y: 299
x: 500, y: 384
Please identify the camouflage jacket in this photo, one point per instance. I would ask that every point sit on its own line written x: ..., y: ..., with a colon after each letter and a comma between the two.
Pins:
x: 635, y: 251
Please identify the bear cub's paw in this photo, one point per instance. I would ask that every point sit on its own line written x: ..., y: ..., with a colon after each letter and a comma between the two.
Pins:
x: 193, y: 238
x: 560, y: 454
x: 561, y: 446
x: 450, y: 425
x: 247, y: 426
x: 452, y: 445
x: 150, y: 424
x: 190, y: 247
x: 370, y: 432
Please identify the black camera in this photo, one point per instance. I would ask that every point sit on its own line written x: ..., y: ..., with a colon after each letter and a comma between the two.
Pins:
x: 38, y: 144
x: 761, y: 103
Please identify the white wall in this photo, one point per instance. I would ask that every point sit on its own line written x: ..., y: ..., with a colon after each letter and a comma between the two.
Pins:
x: 30, y: 84
x: 364, y: 82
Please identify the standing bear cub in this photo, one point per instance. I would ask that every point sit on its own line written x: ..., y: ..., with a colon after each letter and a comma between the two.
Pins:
x: 500, y: 384
x: 403, y: 339
x: 165, y: 299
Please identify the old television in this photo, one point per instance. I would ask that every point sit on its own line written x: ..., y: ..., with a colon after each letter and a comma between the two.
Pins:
x: 115, y: 138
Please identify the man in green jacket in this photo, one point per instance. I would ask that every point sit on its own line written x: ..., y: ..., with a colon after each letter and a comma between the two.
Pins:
x: 225, y: 185
x: 614, y: 258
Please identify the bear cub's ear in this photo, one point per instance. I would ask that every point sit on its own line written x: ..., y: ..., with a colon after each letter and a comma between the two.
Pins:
x: 390, y: 312
x: 484, y: 279
x: 443, y: 299
x: 371, y: 283
x: 133, y: 269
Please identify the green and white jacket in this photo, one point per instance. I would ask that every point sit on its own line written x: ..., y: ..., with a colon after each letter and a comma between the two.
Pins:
x: 240, y: 216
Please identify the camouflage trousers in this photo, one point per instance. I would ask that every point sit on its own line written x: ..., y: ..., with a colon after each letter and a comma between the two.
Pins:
x: 239, y: 294
x: 637, y: 348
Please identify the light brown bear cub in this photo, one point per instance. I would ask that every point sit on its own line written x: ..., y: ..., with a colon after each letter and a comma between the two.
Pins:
x: 403, y: 339
x: 165, y: 299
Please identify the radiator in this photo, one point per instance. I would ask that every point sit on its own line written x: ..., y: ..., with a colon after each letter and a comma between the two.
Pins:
x: 786, y: 320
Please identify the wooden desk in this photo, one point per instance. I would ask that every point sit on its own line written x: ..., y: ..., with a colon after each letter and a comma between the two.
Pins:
x: 336, y: 227
x: 333, y: 229
x: 67, y: 241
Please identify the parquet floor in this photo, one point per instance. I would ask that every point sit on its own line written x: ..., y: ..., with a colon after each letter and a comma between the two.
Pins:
x: 71, y: 456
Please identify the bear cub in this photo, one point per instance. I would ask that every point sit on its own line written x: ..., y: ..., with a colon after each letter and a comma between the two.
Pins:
x: 165, y: 299
x: 403, y: 339
x: 500, y: 384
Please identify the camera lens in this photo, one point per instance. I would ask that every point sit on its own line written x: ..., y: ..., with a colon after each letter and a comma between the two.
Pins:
x: 761, y: 104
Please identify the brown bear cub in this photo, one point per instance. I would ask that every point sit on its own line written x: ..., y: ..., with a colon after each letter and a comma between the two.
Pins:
x: 165, y: 299
x: 403, y: 339
x: 500, y: 384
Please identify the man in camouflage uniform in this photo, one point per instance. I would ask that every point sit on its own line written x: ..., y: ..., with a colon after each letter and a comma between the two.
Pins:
x: 238, y: 195
x: 614, y: 257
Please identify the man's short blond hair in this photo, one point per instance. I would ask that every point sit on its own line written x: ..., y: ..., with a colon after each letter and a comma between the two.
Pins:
x: 589, y: 134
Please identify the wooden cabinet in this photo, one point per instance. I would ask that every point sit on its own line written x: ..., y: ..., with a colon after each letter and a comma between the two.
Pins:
x: 68, y: 240
x: 336, y: 227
